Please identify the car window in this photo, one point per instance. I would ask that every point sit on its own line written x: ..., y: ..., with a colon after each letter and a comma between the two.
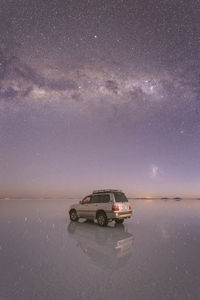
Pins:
x: 95, y: 199
x: 86, y: 200
x: 100, y: 198
x: 120, y: 197
x: 105, y: 198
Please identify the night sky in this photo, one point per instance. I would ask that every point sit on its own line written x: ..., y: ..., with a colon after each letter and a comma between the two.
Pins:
x: 99, y: 94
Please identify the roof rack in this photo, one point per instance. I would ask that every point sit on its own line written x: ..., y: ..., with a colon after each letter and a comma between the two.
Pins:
x: 106, y: 191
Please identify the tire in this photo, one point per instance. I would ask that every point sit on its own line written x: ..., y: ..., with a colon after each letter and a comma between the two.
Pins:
x: 119, y: 221
x: 102, y: 219
x: 73, y: 215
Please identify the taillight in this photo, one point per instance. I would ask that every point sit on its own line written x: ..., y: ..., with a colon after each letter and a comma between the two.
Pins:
x: 115, y: 208
x: 129, y: 207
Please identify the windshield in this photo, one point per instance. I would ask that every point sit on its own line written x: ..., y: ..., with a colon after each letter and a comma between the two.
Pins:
x: 120, y: 197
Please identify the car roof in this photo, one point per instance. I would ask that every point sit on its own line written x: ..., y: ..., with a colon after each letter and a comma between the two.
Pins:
x: 106, y: 191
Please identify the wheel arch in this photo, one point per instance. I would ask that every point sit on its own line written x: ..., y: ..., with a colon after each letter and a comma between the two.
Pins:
x: 100, y: 211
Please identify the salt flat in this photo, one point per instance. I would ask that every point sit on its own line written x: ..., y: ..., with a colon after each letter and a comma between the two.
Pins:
x: 154, y: 255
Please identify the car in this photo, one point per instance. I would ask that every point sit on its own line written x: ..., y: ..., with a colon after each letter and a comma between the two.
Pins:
x: 104, y: 206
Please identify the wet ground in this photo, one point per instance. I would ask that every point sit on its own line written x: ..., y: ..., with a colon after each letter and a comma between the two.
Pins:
x: 154, y: 255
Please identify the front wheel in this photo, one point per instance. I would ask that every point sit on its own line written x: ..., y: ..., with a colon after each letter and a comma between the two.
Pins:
x: 102, y: 219
x: 73, y: 215
x: 119, y: 221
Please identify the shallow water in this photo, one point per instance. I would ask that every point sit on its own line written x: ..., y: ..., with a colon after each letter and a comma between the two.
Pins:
x: 154, y: 255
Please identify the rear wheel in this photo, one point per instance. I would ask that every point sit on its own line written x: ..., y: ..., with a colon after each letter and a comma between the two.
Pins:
x: 102, y: 219
x: 119, y: 221
x: 73, y: 215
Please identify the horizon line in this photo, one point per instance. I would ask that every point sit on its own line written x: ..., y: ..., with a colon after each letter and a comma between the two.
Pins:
x: 73, y: 197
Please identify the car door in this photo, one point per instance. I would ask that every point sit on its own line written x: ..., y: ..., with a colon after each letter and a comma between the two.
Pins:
x: 99, y: 202
x: 93, y: 206
x: 104, y: 203
x: 84, y: 207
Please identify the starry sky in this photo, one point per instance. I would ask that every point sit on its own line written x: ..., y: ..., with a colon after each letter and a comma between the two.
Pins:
x: 99, y: 94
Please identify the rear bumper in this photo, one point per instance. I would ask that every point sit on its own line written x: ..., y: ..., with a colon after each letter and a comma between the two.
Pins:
x: 119, y: 215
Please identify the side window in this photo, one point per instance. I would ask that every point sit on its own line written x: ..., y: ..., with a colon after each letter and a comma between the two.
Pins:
x: 100, y: 199
x: 86, y: 200
x: 95, y: 199
x: 105, y: 198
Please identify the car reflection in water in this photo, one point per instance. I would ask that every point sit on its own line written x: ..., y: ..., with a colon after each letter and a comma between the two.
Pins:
x: 109, y: 247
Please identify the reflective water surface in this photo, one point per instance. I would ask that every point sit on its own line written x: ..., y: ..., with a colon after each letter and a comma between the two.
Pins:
x: 154, y: 255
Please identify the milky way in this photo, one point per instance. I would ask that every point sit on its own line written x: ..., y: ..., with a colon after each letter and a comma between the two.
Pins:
x: 96, y: 94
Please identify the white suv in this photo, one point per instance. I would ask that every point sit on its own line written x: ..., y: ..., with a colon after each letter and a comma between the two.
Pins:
x: 103, y: 205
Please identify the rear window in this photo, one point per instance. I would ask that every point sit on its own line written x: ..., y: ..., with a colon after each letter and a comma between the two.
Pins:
x: 120, y: 197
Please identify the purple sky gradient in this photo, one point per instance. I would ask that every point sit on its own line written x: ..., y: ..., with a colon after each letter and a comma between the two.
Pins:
x: 99, y: 94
